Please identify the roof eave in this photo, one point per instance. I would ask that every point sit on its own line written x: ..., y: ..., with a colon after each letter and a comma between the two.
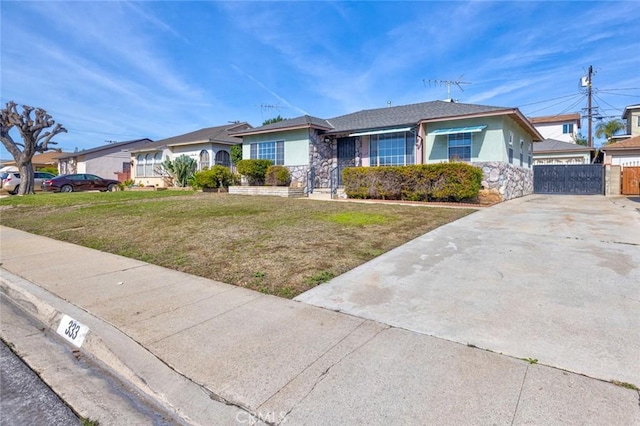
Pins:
x: 523, y: 121
x: 257, y: 131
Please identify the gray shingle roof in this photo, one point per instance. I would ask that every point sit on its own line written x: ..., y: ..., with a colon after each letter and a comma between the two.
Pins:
x: 389, y: 117
x: 218, y: 134
x: 406, y: 115
x: 552, y: 145
x: 123, y: 145
x: 290, y: 123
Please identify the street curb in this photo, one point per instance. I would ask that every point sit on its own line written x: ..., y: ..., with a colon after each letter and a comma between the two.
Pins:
x: 183, y: 399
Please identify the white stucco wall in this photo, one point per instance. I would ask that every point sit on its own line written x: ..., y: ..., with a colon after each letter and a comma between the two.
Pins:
x: 554, y: 131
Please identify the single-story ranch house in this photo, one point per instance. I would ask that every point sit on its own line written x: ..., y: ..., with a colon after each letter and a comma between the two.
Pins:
x: 497, y: 139
x: 210, y: 146
x: 108, y: 161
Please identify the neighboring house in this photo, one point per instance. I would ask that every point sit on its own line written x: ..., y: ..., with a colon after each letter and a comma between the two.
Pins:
x: 631, y: 116
x: 622, y: 161
x: 210, y: 146
x: 551, y: 151
x: 40, y: 161
x: 625, y: 153
x: 563, y: 127
x: 495, y: 138
x: 104, y: 161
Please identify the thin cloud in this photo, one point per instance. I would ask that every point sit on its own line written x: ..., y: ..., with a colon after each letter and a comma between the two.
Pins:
x: 265, y: 88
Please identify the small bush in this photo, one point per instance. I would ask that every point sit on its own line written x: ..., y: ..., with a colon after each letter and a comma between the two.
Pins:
x: 49, y: 169
x: 278, y: 176
x: 254, y: 170
x: 215, y: 177
x: 422, y: 182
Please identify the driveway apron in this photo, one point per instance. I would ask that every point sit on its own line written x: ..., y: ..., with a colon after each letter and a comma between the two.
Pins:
x: 549, y: 278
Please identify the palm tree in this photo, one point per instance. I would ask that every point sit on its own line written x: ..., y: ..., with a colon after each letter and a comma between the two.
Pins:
x: 609, y: 128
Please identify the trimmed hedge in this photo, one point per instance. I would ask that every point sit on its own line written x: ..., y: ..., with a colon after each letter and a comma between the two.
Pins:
x: 278, y: 176
x: 421, y: 182
x: 254, y: 170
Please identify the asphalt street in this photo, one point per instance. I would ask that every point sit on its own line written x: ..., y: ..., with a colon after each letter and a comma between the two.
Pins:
x: 25, y: 399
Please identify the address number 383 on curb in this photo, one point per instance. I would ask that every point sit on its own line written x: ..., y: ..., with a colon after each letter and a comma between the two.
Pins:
x: 72, y: 330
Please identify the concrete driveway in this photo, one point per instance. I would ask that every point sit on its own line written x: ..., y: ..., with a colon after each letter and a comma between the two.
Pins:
x: 552, y: 278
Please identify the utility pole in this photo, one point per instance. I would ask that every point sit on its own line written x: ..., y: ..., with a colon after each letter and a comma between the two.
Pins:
x: 589, y: 108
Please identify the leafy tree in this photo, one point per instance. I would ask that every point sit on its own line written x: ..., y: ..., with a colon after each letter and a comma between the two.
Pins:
x: 580, y: 139
x: 609, y: 128
x: 181, y: 169
x: 35, y: 138
x: 272, y: 120
x: 236, y: 153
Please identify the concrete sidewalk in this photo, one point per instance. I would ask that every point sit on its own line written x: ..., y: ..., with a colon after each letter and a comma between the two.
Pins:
x: 212, y: 353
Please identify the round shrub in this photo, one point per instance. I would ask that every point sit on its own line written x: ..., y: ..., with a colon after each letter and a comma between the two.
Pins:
x: 278, y: 176
x: 254, y: 170
x: 215, y: 177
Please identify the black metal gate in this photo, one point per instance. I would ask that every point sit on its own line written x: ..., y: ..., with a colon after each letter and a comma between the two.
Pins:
x: 584, y: 179
x: 346, y: 155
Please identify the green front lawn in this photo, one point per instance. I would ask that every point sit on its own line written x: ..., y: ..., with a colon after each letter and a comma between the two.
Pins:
x: 275, y: 245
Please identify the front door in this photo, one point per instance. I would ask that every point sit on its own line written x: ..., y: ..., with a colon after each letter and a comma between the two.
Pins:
x: 346, y: 155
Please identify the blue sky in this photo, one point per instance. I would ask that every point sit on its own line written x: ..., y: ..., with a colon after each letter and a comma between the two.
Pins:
x: 126, y: 70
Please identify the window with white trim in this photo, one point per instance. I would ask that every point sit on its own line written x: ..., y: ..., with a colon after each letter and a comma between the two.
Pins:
x: 392, y: 149
x: 459, y: 146
x: 204, y: 161
x: 148, y: 165
x: 157, y: 163
x: 273, y: 151
x: 139, y: 165
x: 567, y: 129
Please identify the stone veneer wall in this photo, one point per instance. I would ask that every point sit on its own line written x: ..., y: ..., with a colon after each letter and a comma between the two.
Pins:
x: 321, y: 158
x: 298, y: 175
x: 509, y: 180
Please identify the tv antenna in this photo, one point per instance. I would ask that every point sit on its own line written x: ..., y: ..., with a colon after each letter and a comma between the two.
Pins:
x: 448, y: 83
x: 265, y: 107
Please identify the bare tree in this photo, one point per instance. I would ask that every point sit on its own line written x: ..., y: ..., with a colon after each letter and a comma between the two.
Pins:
x: 35, y: 138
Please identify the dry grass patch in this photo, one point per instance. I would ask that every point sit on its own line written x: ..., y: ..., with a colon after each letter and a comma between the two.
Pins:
x: 274, y: 245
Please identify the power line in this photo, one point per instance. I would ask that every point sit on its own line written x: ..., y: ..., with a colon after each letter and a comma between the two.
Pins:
x: 628, y: 88
x: 582, y: 96
x: 552, y: 99
x: 101, y: 133
x: 618, y: 109
x: 571, y: 106
x: 618, y: 94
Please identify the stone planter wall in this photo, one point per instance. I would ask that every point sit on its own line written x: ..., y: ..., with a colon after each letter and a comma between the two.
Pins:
x: 274, y: 191
x: 508, y: 180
